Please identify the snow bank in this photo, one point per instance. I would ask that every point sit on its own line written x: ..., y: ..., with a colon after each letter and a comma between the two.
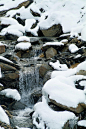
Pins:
x: 3, y: 116
x: 58, y: 66
x: 11, y: 93
x: 63, y: 93
x: 23, y: 38
x: 49, y: 118
x: 82, y: 123
x: 69, y: 72
x: 23, y: 46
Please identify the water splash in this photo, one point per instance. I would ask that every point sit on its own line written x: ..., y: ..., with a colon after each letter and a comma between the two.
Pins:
x: 29, y: 82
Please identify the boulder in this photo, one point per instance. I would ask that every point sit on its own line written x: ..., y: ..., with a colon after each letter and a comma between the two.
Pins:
x: 54, y: 30
x: 50, y: 52
x: 43, y: 69
x: 9, y: 36
x: 10, y: 79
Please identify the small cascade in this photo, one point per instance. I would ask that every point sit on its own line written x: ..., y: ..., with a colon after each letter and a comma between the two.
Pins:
x: 29, y: 82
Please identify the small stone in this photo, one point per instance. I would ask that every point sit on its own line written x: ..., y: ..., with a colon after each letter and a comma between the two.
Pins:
x: 2, y: 49
x: 50, y: 52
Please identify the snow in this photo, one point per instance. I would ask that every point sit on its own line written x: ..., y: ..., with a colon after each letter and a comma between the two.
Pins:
x: 8, y: 21
x: 16, y: 29
x: 23, y: 38
x: 83, y: 33
x: 53, y: 43
x: 1, y: 127
x: 11, y: 93
x: 28, y: 25
x: 56, y: 90
x: 9, y: 4
x: 82, y: 123
x: 3, y: 116
x: 5, y: 59
x: 73, y: 48
x: 23, y: 46
x: 59, y: 66
x: 52, y: 119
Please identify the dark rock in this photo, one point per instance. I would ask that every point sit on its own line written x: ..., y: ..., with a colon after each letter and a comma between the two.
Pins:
x: 55, y: 30
x: 11, y: 36
x: 6, y: 101
x: 17, y: 106
x: 44, y: 68
x: 35, y: 14
x: 21, y: 21
x: 10, y: 79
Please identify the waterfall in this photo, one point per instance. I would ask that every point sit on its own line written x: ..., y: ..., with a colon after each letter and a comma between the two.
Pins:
x: 29, y: 82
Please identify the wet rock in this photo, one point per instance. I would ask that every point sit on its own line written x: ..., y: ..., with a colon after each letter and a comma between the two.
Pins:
x: 36, y: 95
x: 6, y: 101
x: 47, y: 77
x: 50, y: 52
x: 78, y: 109
x: 2, y: 48
x: 55, y: 30
x: 1, y: 87
x: 43, y: 69
x: 17, y: 105
x: 10, y: 79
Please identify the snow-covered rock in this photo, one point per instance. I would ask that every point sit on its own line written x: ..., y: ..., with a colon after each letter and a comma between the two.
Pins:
x: 11, y: 93
x: 23, y: 46
x: 46, y: 117
x: 23, y: 38
x: 73, y: 48
x: 3, y: 116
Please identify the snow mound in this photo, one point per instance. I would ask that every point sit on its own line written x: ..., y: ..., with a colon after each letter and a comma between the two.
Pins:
x: 23, y: 38
x: 49, y: 118
x: 58, y: 66
x: 11, y: 93
x: 23, y: 46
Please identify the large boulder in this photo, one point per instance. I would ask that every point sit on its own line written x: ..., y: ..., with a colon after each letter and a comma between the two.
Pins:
x: 54, y: 30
